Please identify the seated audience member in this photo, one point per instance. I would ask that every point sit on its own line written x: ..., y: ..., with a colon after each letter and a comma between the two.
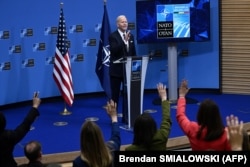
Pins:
x: 94, y: 151
x: 238, y: 137
x: 146, y: 135
x: 33, y: 152
x: 208, y: 133
x: 9, y: 138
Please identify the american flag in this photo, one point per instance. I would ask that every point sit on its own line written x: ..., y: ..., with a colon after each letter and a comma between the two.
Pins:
x: 62, y: 67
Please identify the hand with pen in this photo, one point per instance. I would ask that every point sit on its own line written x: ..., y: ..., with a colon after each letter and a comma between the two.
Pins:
x: 36, y: 100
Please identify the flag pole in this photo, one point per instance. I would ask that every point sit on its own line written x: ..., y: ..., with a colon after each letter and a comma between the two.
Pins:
x: 97, y: 66
x: 61, y: 5
x: 65, y: 111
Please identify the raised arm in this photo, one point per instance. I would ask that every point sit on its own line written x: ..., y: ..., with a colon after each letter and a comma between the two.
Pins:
x: 22, y: 129
x: 166, y: 119
x: 115, y: 140
x: 181, y: 117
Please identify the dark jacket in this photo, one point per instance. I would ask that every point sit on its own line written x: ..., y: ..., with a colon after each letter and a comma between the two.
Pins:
x: 117, y: 51
x: 9, y: 138
x: 33, y: 164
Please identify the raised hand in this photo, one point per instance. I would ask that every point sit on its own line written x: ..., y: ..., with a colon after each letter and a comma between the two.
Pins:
x: 162, y: 91
x: 36, y: 100
x: 111, y: 109
x: 235, y: 132
x: 183, y: 89
x: 127, y: 35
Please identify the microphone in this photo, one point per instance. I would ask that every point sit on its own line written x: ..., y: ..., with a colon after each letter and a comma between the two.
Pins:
x: 118, y: 60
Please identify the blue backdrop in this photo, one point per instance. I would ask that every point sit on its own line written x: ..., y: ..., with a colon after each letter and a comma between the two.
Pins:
x: 27, y: 47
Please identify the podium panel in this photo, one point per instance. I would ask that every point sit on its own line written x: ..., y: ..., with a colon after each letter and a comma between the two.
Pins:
x: 136, y: 68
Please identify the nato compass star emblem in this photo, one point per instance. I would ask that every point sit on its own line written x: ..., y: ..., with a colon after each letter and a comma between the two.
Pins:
x: 106, y: 52
x: 165, y: 13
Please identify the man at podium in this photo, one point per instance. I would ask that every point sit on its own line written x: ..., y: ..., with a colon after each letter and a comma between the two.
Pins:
x: 122, y: 44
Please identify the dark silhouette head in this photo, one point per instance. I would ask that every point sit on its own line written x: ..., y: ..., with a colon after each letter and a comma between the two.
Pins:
x: 2, y: 122
x: 144, y: 130
x: 209, y: 118
x: 33, y: 151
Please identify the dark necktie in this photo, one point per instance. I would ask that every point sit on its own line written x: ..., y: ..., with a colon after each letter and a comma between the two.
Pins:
x: 127, y: 45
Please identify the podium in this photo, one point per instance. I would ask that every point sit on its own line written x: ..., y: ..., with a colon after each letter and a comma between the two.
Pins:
x: 135, y: 68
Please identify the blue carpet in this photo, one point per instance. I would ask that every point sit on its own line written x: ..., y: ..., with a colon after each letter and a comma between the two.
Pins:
x: 56, y: 139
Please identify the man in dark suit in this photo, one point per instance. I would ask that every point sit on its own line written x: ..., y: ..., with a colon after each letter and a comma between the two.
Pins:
x: 122, y: 45
x: 9, y: 138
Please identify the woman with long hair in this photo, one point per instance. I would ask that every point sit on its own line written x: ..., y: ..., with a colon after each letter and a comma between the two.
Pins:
x: 146, y: 134
x: 95, y: 152
x: 208, y: 133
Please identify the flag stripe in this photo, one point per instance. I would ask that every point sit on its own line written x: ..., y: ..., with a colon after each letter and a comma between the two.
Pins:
x: 62, y: 67
x: 64, y: 77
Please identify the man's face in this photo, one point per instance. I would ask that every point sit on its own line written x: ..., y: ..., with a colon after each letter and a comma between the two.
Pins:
x: 122, y: 24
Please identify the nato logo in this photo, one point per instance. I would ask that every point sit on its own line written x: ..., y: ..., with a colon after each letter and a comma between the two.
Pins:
x: 155, y: 53
x: 4, y: 34
x: 68, y: 43
x: 98, y: 27
x: 136, y: 66
x: 28, y: 63
x: 5, y: 66
x: 85, y: 42
x: 89, y: 42
x: 38, y: 47
x: 75, y: 28
x: 77, y: 57
x: 15, y: 49
x: 50, y: 30
x: 136, y: 70
x: 49, y: 60
x: 164, y: 13
x: 27, y: 32
x: 131, y: 26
